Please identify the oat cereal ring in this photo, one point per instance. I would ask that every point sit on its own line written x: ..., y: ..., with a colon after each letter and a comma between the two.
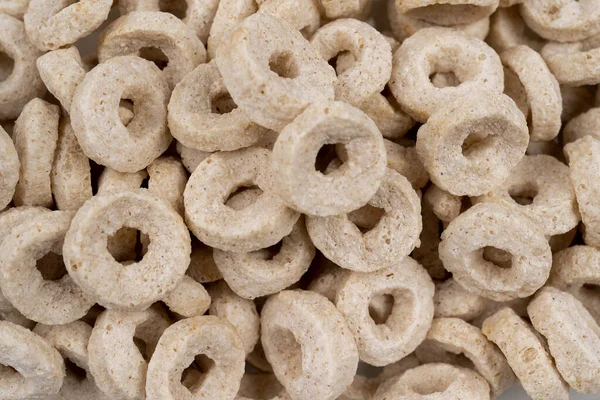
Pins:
x: 335, y: 9
x: 257, y: 226
x: 14, y: 8
x: 410, y: 317
x: 405, y: 161
x: 328, y: 281
x: 40, y: 368
x: 167, y: 180
x: 575, y: 63
x: 111, y: 181
x: 188, y: 299
x: 22, y: 82
x: 96, y: 271
x: 573, y: 337
x: 9, y: 169
x: 202, y: 265
x: 309, y: 345
x: 526, y: 355
x: 587, y: 123
x: 230, y: 13
x: 445, y: 206
x: 61, y: 71
x: 210, y: 336
x: 431, y: 50
x: 452, y: 301
x: 272, y: 72
x: 499, y: 226
x: 116, y: 361
x: 303, y: 15
x: 447, y: 13
x: 190, y: 157
x: 261, y: 386
x: 94, y: 117
x: 202, y: 116
x: 507, y: 30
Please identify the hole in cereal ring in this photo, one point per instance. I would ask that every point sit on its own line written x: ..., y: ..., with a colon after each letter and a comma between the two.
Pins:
x: 289, y: 352
x: 193, y: 376
x: 222, y: 103
x: 523, y: 195
x: 284, y: 64
x: 444, y: 79
x: 431, y: 386
x: 380, y: 308
x: 243, y: 196
x: 126, y: 245
x: 7, y: 65
x: 499, y: 257
x: 333, y: 61
x: 155, y: 55
x: 126, y: 111
x: 476, y: 142
x: 176, y: 7
x: 51, y: 266
x: 325, y: 156
x: 592, y: 287
x: 366, y: 217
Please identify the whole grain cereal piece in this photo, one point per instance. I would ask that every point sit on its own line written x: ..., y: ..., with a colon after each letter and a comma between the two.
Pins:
x: 452, y: 301
x: 445, y: 206
x: 410, y: 317
x: 257, y: 226
x: 9, y: 169
x: 261, y: 386
x: 328, y: 281
x: 21, y: 82
x: 202, y: 265
x: 167, y: 178
x: 309, y: 345
x: 507, y: 30
x: 52, y: 24
x: 96, y: 271
x: 475, y: 64
x: 526, y: 355
x: 573, y: 337
x: 230, y: 13
x: 62, y: 71
x: 177, y: 348
x: 584, y: 124
x: 190, y: 157
x: 496, y: 225
x: 272, y: 72
x: 111, y: 181
x: 14, y: 8
x: 50, y: 302
x: 574, y: 63
x: 202, y: 115
x: 303, y: 15
x: 443, y: 380
x: 40, y: 369
x: 447, y: 12
x: 385, y: 111
x: 101, y: 135
x: 471, y: 144
x: 119, y: 346
x: 335, y: 9
x: 347, y: 188
x: 137, y: 32
x: 188, y: 299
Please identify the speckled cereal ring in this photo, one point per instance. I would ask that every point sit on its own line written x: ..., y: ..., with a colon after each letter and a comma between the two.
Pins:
x: 229, y: 14
x: 188, y: 299
x: 14, y: 8
x: 335, y: 9
x: 62, y: 70
x: 167, y: 178
x: 9, y: 169
x: 586, y: 123
x: 452, y: 301
x: 405, y: 161
x: 272, y: 72
x: 447, y: 13
x: 303, y: 15
x: 507, y: 29
x: 576, y: 63
x: 190, y: 158
x: 444, y: 205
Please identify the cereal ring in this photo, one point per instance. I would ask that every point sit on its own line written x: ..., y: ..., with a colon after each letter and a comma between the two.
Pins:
x: 303, y: 15
x: 257, y: 226
x: 487, y: 225
x: 14, y: 8
x: 180, y: 344
x: 404, y: 159
x: 95, y: 270
x: 9, y: 169
x: 335, y: 9
x: 507, y: 30
x: 188, y: 299
x: 273, y: 80
x: 445, y: 206
x: 475, y: 64
x: 526, y: 355
x: 447, y: 12
x: 584, y: 124
x: 328, y: 281
x: 350, y: 186
x: 309, y: 345
x: 202, y: 265
x: 518, y: 305
x: 61, y: 71
x: 190, y: 157
x: 452, y: 301
x: 111, y: 181
x: 101, y: 135
x: 21, y: 83
x: 229, y: 14
x: 410, y: 286
x: 167, y: 179
x: 202, y: 116
x: 572, y: 335
x: 261, y: 386
x: 575, y: 63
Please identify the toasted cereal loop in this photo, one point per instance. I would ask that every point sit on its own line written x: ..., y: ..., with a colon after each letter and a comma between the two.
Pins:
x: 62, y: 71
x: 272, y: 72
x: 303, y: 15
x: 431, y: 50
x: 347, y: 188
x: 39, y: 367
x: 203, y: 117
x: 572, y: 335
x: 111, y: 181
x: 496, y: 225
x: 507, y: 30
x: 96, y: 271
x: 115, y: 361
x: 188, y: 299
x: 309, y: 345
x: 140, y: 33
x: 230, y: 13
x: 210, y: 336
x: 584, y: 124
x: 51, y: 24
x: 445, y: 206
x: 257, y: 226
x: 261, y: 386
x: 202, y: 265
x: 49, y: 302
x: 452, y: 301
x: 14, y: 8
x: 410, y: 286
x: 447, y: 13
x: 21, y: 83
x: 526, y: 355
x: 575, y: 63
x: 101, y: 135
x: 9, y: 169
x: 406, y: 161
x: 328, y: 282
x: 443, y: 380
x: 335, y: 9
x: 167, y: 180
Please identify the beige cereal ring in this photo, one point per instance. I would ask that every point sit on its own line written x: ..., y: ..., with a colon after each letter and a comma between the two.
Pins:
x: 335, y: 9
x: 328, y: 281
x: 573, y: 337
x: 272, y: 72
x: 62, y: 71
x: 190, y: 157
x: 507, y: 30
x: 445, y: 206
x: 230, y: 13
x: 14, y: 8
x: 180, y: 344
x: 167, y: 178
x: 496, y: 225
x: 96, y: 271
x: 444, y: 12
x: 584, y: 124
x: 452, y: 301
x: 404, y: 159
x: 101, y: 135
x: 574, y: 63
x: 9, y: 169
x: 261, y: 386
x: 188, y: 299
x: 303, y: 15
x: 202, y: 265
x: 518, y: 305
x: 385, y: 111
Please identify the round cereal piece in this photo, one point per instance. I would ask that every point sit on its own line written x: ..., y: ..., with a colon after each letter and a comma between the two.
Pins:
x: 261, y: 386
x: 309, y: 345
x: 471, y: 144
x: 573, y: 337
x: 447, y: 12
x: 303, y: 15
x: 584, y: 124
x: 443, y: 381
x: 115, y: 360
x: 452, y: 301
x: 518, y: 305
x: 101, y: 135
x: 496, y: 225
x: 328, y: 281
x: 347, y: 188
x: 272, y: 72
x: 507, y: 30
x: 575, y: 63
x: 9, y: 169
x: 210, y: 336
x: 431, y: 50
x: 35, y: 136
x: 239, y: 312
x: 40, y: 368
x: 137, y: 32
x: 190, y: 157
x: 391, y: 239
x: 230, y: 13
x: 203, y: 117
x: 167, y: 178
x: 14, y: 8
x: 385, y: 111
x: 335, y: 9
x: 526, y: 355
x: 188, y: 299
x: 62, y: 71
x: 445, y: 206
x: 111, y: 181
x: 405, y: 161
x: 202, y: 265
x: 50, y: 302
x: 410, y: 317
x: 257, y: 226
x: 21, y: 82
x: 139, y: 285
